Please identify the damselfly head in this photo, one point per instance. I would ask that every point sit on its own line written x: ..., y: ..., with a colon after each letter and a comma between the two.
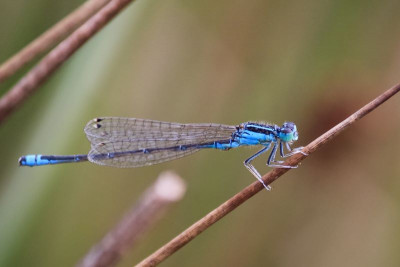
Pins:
x: 288, y: 132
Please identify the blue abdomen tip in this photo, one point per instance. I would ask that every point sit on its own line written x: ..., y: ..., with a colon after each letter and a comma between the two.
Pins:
x: 28, y: 160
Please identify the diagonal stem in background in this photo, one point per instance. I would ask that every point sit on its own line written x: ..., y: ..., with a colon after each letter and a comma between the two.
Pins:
x: 42, y: 71
x: 166, y: 190
x: 238, y: 199
x: 50, y: 37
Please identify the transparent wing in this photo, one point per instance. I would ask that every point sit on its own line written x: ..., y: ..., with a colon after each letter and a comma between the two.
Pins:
x: 129, y: 142
x: 126, y: 155
x: 110, y: 129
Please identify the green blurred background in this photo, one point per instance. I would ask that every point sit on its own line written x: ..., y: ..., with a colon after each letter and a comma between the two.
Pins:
x: 311, y: 62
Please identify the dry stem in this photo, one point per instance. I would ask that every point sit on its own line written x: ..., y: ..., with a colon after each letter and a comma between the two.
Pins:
x: 57, y: 56
x: 167, y: 189
x: 49, y: 38
x: 238, y: 199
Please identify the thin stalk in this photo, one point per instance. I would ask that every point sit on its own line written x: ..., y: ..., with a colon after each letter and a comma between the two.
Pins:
x: 50, y: 37
x: 63, y: 51
x: 166, y: 190
x: 197, y: 228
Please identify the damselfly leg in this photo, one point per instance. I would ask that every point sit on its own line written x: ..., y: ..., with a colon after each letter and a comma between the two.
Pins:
x: 247, y: 164
x: 293, y: 151
x: 278, y: 164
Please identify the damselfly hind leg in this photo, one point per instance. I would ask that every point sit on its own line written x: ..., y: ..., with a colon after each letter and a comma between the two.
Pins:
x: 247, y: 164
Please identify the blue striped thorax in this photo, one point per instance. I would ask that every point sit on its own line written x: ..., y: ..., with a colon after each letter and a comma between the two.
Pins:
x: 252, y: 133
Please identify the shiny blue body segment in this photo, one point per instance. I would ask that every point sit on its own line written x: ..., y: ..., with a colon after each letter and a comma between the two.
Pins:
x: 130, y: 142
x: 39, y: 160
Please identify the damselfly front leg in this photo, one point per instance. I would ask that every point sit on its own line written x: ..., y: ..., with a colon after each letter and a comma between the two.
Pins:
x: 293, y: 151
x: 277, y: 164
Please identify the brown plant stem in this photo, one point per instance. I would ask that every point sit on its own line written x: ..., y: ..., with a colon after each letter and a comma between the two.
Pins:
x: 43, y: 70
x: 167, y: 189
x: 50, y: 37
x: 238, y: 199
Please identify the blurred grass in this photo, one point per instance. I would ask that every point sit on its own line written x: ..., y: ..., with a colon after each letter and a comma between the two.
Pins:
x: 312, y: 62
